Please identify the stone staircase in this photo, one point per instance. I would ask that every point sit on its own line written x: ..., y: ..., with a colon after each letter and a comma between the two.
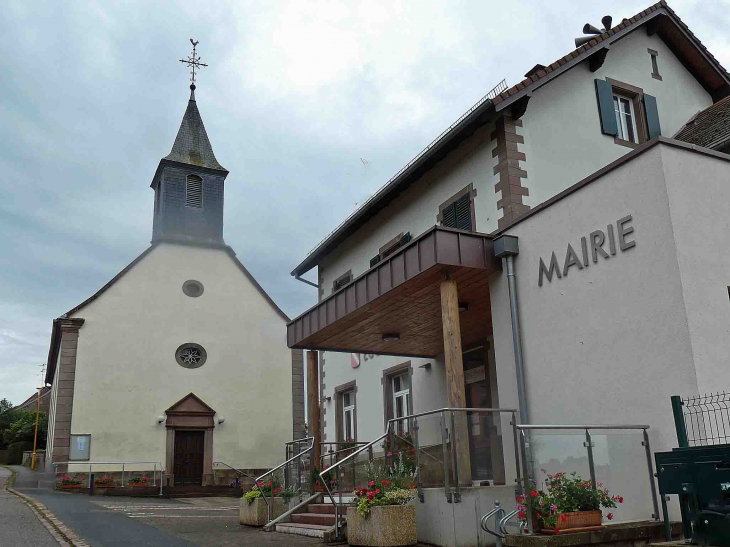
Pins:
x: 312, y: 518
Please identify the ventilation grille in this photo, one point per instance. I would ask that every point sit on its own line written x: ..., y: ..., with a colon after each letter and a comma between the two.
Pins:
x: 194, y: 191
x: 341, y: 283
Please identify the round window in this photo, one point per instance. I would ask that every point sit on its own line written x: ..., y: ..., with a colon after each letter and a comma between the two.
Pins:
x: 191, y: 355
x: 193, y: 288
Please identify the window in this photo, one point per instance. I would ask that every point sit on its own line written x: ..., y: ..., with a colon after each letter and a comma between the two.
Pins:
x: 401, y: 400
x: 458, y: 210
x: 191, y: 355
x: 194, y: 192
x: 626, y: 113
x: 654, y: 65
x: 625, y: 118
x: 193, y: 288
x: 401, y: 240
x: 341, y: 281
x: 346, y: 415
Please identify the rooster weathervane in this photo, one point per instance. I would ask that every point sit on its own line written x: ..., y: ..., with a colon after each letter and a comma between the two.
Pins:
x: 193, y: 61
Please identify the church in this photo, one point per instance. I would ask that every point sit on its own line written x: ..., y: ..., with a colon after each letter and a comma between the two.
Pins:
x: 178, y: 366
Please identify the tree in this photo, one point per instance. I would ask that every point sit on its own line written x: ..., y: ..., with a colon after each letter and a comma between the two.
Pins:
x: 5, y: 405
x: 7, y: 417
x: 23, y: 428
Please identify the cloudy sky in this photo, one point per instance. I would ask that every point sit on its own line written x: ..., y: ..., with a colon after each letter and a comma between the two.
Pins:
x: 311, y: 106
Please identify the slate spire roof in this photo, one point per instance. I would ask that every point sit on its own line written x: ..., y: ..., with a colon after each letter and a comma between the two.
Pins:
x: 192, y: 145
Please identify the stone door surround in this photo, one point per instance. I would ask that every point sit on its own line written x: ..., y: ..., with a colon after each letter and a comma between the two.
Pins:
x: 189, y: 413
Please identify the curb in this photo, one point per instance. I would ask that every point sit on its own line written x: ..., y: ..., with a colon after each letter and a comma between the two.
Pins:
x: 60, y: 532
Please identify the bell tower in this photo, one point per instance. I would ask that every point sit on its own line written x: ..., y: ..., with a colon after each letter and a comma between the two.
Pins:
x: 189, y: 182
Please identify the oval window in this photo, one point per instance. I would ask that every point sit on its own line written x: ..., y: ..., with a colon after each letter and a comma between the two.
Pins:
x: 193, y: 288
x: 191, y: 355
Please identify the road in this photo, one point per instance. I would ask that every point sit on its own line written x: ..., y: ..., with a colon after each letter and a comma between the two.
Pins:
x: 18, y: 523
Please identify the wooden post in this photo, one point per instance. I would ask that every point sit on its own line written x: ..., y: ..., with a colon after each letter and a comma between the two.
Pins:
x: 456, y: 398
x: 315, y: 429
x: 35, y: 436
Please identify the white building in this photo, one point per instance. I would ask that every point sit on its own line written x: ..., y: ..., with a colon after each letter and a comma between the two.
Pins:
x: 179, y: 360
x: 621, y: 290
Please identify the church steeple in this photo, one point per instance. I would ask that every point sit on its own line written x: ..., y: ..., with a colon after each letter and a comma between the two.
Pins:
x: 189, y: 183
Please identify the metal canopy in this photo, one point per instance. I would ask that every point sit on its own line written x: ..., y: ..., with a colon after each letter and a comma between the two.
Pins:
x: 401, y: 294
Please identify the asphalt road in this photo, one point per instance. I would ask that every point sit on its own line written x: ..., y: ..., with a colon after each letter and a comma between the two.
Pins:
x: 18, y: 524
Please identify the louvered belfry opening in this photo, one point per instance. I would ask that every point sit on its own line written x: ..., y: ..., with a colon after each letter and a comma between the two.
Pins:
x: 194, y: 191
x: 458, y: 214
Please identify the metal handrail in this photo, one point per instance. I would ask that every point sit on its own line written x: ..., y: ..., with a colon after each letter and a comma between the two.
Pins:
x: 338, y: 465
x: 298, y: 441
x: 413, y: 445
x: 238, y: 471
x: 275, y: 469
x: 90, y: 464
x: 578, y: 426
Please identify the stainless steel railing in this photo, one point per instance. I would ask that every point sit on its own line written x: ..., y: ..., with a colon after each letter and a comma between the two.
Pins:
x: 527, y: 472
x: 123, y: 464
x: 449, y: 462
x: 271, y: 472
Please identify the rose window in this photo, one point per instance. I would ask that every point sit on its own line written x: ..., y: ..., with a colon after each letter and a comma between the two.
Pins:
x: 191, y: 355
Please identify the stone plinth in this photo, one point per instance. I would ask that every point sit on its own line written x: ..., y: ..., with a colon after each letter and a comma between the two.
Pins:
x: 256, y: 513
x: 385, y: 526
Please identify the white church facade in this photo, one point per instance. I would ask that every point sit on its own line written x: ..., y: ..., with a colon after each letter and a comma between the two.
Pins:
x: 179, y: 362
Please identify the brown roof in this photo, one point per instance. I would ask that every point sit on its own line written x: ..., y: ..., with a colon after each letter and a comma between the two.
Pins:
x: 594, y: 44
x: 45, y: 391
x: 659, y: 19
x: 710, y: 127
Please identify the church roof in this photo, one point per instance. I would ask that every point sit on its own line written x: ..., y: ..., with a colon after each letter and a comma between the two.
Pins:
x: 192, y: 145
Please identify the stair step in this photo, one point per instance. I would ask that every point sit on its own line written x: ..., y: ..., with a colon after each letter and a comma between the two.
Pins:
x: 321, y: 508
x: 310, y: 530
x: 322, y: 519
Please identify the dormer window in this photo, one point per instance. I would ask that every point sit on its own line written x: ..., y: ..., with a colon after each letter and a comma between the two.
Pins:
x: 194, y: 191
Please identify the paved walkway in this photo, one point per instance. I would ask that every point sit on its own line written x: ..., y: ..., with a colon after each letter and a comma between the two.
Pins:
x: 150, y: 522
x: 18, y: 523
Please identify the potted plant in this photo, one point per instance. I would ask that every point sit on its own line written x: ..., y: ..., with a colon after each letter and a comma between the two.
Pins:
x: 568, y: 503
x: 68, y: 483
x: 138, y: 482
x: 106, y: 482
x: 254, y: 509
x: 316, y: 483
x: 382, y: 515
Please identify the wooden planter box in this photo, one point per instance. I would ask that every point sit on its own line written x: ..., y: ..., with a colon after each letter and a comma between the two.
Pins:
x: 70, y: 486
x: 107, y: 485
x: 385, y: 526
x: 255, y: 513
x: 138, y: 484
x: 577, y: 519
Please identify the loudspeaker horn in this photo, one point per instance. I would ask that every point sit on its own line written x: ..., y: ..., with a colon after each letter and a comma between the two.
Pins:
x: 583, y: 40
x: 590, y: 29
x: 606, y: 22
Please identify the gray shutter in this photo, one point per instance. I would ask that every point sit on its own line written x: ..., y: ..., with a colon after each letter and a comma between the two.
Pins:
x: 463, y: 212
x: 652, y: 116
x: 604, y: 94
x: 449, y: 216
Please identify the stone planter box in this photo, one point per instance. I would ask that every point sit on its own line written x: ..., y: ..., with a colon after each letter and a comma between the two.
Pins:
x: 255, y: 514
x: 385, y: 526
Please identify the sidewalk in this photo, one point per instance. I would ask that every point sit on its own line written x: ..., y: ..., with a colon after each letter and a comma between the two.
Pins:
x: 18, y: 523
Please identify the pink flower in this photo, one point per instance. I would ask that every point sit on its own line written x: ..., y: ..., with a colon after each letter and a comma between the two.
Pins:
x: 390, y: 454
x: 620, y: 499
x: 372, y: 483
x: 553, y: 507
x: 609, y: 516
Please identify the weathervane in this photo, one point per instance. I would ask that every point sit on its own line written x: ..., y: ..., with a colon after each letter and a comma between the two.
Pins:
x: 193, y: 61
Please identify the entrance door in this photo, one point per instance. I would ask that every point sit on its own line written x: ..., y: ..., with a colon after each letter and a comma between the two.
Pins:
x: 189, y: 448
x: 481, y: 426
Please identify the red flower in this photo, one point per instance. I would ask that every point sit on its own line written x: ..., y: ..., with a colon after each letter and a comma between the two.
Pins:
x: 533, y: 494
x: 609, y: 516
x: 372, y: 483
x: 522, y: 515
x: 620, y: 499
x: 269, y: 484
x: 377, y: 491
x: 413, y: 486
x: 563, y: 518
x: 384, y: 482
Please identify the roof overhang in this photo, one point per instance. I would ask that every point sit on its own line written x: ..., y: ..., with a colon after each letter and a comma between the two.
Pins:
x: 401, y: 294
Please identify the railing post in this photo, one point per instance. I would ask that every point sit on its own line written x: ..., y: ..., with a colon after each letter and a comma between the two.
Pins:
x: 370, y: 454
x: 419, y: 484
x: 591, y: 467
x: 679, y: 424
x: 447, y: 489
x: 154, y: 475
x: 650, y: 466
x: 122, y: 475
x: 518, y: 471
x: 89, y: 476
x: 526, y: 482
x: 454, y: 462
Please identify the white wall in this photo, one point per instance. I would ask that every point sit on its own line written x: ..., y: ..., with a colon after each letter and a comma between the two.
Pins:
x: 562, y: 128
x: 699, y: 194
x: 127, y: 375
x: 611, y: 343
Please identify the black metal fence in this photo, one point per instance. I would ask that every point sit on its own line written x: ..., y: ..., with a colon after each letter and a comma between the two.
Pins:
x: 702, y: 420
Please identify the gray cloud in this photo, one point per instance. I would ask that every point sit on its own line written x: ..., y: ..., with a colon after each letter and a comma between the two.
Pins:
x: 296, y: 93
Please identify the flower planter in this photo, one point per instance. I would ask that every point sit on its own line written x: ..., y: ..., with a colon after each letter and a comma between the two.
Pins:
x: 256, y: 513
x: 385, y: 526
x: 71, y: 486
x: 138, y: 484
x: 105, y: 485
x: 577, y: 519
